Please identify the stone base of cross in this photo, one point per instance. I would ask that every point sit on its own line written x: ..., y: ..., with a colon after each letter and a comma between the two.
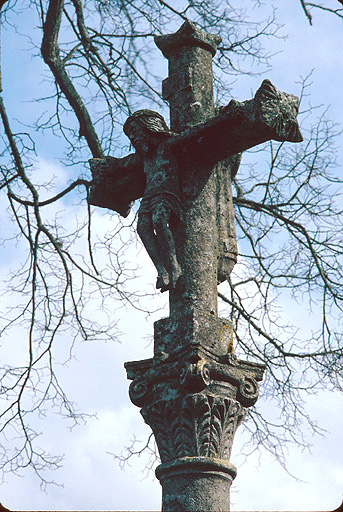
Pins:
x: 194, y: 391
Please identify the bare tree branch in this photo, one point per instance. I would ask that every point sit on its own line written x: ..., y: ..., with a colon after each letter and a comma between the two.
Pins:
x: 101, y: 54
x: 51, y: 54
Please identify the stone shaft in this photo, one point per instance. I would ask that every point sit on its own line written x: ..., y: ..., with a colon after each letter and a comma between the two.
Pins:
x: 194, y: 418
x: 189, y: 91
x: 189, y: 86
x: 196, y: 484
x: 194, y: 391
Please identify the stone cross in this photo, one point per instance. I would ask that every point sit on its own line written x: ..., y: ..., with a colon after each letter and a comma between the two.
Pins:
x: 194, y: 391
x: 205, y: 239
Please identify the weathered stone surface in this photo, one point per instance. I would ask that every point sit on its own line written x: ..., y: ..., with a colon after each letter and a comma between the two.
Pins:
x: 189, y: 85
x: 166, y: 377
x: 227, y: 252
x: 196, y: 484
x: 195, y: 425
x: 188, y: 35
x: 194, y: 391
x: 195, y: 329
x: 116, y: 182
x: 176, y: 177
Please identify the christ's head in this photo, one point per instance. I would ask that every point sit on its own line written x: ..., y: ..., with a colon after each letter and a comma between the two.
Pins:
x: 144, y: 128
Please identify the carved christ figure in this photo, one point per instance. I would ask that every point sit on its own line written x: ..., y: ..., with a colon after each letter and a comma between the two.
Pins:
x: 160, y: 206
x: 153, y: 171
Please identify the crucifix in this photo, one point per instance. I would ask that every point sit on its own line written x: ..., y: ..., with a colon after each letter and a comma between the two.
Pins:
x: 194, y: 391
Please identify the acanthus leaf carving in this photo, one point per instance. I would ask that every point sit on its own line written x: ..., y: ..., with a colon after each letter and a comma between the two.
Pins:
x: 218, y: 416
x: 182, y: 427
x: 203, y: 425
x: 234, y: 416
x: 194, y: 425
x: 155, y: 417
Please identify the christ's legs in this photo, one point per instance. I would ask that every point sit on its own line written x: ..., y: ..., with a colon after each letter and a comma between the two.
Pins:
x: 146, y: 233
x: 160, y: 221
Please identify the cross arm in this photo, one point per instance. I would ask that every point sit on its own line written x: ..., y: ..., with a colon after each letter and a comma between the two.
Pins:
x: 117, y: 182
x: 271, y: 114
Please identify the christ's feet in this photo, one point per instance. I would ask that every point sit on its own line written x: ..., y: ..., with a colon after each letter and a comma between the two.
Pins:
x: 162, y: 282
x: 176, y: 273
x: 167, y: 281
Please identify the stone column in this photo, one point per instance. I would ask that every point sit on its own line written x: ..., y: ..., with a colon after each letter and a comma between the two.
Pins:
x: 194, y: 391
x: 189, y: 91
x: 194, y: 396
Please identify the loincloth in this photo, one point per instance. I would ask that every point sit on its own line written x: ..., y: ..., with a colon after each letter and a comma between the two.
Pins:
x: 166, y: 200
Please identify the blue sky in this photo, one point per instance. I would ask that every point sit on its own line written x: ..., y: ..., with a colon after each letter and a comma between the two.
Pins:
x: 91, y: 478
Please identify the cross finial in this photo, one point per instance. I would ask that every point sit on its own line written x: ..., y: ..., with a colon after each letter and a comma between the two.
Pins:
x: 187, y: 35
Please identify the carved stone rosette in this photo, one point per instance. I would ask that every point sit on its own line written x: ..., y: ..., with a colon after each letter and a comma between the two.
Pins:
x: 194, y: 397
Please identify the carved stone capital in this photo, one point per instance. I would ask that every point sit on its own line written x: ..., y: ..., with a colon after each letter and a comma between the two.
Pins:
x: 194, y: 425
x: 193, y: 394
x: 192, y: 356
x: 154, y: 380
x: 194, y: 391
